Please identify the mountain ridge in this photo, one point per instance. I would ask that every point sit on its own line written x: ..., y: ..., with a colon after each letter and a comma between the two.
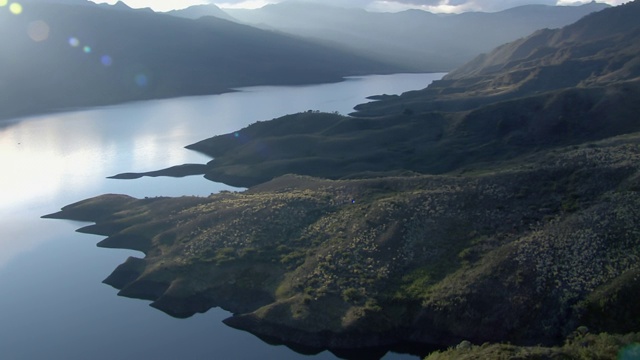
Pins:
x: 450, y: 40
x: 581, y: 31
x: 536, y: 93
x: 198, y: 11
x: 89, y: 53
x: 459, y: 214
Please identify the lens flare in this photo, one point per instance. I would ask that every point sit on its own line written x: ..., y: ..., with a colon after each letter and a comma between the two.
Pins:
x: 86, y: 49
x: 106, y: 60
x: 15, y: 8
x: 141, y: 80
x: 74, y: 42
x: 38, y: 30
x: 3, y: 3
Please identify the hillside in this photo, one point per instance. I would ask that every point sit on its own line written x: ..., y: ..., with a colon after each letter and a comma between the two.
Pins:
x: 459, y: 214
x: 433, y: 260
x: 336, y: 147
x: 550, y: 89
x: 57, y: 56
x: 418, y: 40
x: 599, y: 50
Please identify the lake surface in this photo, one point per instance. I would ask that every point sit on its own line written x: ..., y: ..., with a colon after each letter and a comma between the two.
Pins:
x: 52, y: 302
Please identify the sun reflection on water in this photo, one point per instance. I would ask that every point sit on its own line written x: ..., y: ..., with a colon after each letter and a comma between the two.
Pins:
x: 34, y: 174
x: 53, y: 160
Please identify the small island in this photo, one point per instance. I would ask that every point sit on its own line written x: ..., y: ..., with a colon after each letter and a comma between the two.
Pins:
x: 498, y: 205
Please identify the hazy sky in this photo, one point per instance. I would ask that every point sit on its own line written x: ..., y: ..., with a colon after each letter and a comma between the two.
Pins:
x: 373, y: 5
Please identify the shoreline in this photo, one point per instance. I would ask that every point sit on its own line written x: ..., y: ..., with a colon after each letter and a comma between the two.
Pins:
x: 299, y: 262
x: 22, y: 115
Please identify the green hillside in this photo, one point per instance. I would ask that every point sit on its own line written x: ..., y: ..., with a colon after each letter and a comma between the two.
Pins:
x: 519, y: 99
x: 463, y: 214
x: 356, y: 264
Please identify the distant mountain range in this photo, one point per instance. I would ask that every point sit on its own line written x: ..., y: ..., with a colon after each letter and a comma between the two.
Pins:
x: 417, y: 40
x: 55, y: 56
x: 601, y: 50
x: 413, y: 40
x: 105, y: 54
x: 198, y: 11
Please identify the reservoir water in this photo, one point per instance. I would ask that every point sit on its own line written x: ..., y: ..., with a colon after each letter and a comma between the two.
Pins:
x: 52, y: 302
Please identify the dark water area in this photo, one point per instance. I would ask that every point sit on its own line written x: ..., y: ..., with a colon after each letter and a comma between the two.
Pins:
x: 52, y: 302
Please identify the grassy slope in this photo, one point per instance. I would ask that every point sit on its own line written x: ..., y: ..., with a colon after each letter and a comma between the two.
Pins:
x: 430, y: 259
x: 529, y: 231
x: 579, y: 347
x: 335, y: 146
x: 553, y: 88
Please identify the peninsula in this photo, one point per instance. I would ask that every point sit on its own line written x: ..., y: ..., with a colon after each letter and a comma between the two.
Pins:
x: 499, y: 204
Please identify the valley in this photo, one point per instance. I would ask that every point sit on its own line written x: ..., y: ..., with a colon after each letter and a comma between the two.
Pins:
x: 435, y: 217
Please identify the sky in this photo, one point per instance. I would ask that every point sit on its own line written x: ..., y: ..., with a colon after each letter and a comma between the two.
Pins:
x: 441, y: 6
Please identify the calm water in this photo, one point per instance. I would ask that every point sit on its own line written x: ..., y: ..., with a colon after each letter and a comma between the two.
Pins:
x: 52, y: 302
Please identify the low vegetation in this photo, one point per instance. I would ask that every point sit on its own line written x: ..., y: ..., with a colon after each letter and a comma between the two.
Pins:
x: 578, y: 347
x: 434, y: 259
x: 478, y: 215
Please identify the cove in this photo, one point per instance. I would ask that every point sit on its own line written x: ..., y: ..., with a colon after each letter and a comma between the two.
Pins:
x: 53, y: 303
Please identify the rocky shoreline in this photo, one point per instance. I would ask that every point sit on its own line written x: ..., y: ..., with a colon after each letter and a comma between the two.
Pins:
x: 360, y: 264
x: 498, y: 205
